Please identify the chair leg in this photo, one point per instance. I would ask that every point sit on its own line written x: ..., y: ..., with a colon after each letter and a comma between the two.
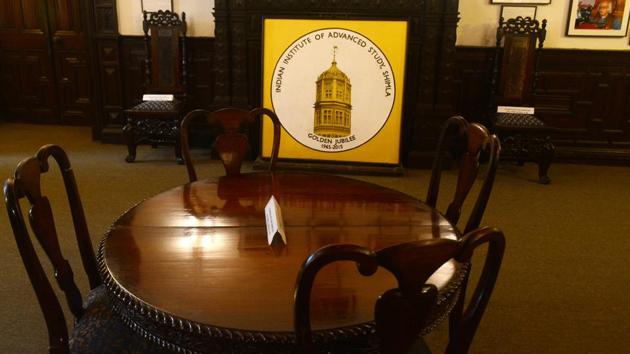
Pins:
x: 178, y: 154
x: 543, y: 153
x: 178, y: 145
x: 128, y: 129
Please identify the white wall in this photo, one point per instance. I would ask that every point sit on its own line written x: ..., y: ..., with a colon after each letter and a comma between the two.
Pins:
x: 477, y: 26
x: 198, y: 16
x: 479, y: 20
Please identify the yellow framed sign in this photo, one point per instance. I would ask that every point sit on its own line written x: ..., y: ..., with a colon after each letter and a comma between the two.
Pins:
x: 337, y: 88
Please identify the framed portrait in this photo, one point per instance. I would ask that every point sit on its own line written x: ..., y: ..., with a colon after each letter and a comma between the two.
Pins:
x: 337, y: 87
x: 536, y: 2
x: 598, y: 18
x: 513, y: 11
x: 156, y: 5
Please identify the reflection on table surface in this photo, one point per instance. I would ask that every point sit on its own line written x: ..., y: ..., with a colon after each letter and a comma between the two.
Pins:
x: 199, y: 251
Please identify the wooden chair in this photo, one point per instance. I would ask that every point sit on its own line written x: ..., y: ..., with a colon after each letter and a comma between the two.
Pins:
x: 400, y: 313
x: 96, y: 328
x: 231, y: 143
x: 514, y: 77
x: 464, y: 143
x: 157, y: 122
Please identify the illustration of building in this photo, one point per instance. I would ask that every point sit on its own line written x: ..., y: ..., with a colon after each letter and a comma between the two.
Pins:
x: 333, y: 102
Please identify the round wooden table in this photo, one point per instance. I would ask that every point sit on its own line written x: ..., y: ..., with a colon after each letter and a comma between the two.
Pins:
x: 191, y: 269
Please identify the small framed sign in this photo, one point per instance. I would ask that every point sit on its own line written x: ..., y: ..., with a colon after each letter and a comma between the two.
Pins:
x: 156, y: 5
x: 513, y: 11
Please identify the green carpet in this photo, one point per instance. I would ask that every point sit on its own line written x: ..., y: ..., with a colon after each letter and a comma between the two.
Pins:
x: 561, y: 288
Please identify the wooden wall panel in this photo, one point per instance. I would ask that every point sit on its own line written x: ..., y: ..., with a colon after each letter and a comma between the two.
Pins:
x: 109, y: 71
x: 582, y: 93
x: 104, y: 25
x: 132, y: 55
x: 200, y: 72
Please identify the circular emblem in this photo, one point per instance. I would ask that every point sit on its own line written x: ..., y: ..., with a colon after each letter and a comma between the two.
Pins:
x: 333, y: 89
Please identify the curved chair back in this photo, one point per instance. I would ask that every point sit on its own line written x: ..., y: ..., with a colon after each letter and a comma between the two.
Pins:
x: 25, y: 184
x: 400, y: 313
x: 466, y: 144
x: 231, y: 143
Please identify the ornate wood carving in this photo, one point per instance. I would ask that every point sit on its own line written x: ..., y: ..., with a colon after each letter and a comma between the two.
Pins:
x: 165, y: 38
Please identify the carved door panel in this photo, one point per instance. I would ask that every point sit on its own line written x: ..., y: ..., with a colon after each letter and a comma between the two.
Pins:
x: 27, y: 85
x: 44, y: 71
x: 70, y: 60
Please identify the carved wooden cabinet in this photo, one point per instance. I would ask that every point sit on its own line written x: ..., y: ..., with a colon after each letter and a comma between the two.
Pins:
x: 45, y: 62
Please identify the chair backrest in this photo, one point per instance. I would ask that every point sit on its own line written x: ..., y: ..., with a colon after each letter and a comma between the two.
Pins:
x: 231, y: 142
x: 400, y: 313
x: 26, y: 184
x: 515, y: 68
x: 466, y: 144
x: 165, y: 44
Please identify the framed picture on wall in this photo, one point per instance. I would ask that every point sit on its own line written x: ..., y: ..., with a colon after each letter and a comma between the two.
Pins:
x: 513, y: 11
x: 598, y: 18
x: 156, y: 5
x: 537, y: 2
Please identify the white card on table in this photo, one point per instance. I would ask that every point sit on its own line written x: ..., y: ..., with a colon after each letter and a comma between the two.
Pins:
x: 516, y: 110
x: 273, y: 217
x: 157, y: 97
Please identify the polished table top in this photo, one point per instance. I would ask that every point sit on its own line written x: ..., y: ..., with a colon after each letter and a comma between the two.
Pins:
x: 197, y: 254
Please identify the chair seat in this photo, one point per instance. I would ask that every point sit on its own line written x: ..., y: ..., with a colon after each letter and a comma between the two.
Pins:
x: 518, y: 120
x: 514, y: 120
x: 525, y: 137
x: 152, y: 107
x: 101, y: 331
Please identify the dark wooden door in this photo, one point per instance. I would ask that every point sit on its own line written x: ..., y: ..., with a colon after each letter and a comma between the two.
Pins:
x: 27, y: 84
x: 44, y: 73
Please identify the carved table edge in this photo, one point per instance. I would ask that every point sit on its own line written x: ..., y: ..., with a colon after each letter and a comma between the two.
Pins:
x: 139, y: 307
